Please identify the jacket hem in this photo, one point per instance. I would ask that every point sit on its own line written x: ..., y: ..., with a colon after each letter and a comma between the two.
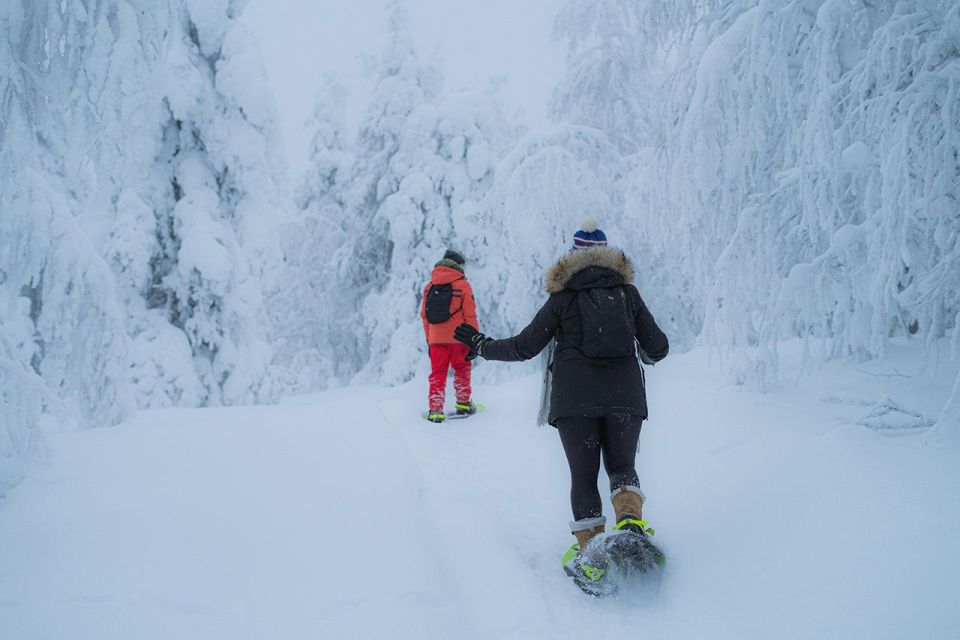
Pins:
x: 595, y: 412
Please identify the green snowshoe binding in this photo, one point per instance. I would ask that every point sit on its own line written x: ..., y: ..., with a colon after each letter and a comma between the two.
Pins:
x: 436, y: 416
x: 466, y: 408
x: 588, y: 570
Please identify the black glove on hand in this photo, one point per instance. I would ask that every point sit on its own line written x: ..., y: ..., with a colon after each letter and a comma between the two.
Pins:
x: 472, y: 338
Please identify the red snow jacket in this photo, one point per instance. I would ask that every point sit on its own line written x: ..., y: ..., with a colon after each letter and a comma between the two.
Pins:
x: 462, y: 307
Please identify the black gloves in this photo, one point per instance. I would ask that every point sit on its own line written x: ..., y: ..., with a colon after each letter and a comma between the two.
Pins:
x: 472, y: 338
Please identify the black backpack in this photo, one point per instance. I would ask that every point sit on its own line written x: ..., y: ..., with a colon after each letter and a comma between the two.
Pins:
x: 608, y: 326
x: 439, y: 298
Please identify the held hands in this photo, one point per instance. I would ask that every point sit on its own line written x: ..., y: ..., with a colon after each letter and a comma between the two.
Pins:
x: 472, y: 338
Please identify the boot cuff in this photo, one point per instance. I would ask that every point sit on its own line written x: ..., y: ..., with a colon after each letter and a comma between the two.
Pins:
x: 587, y: 523
x: 631, y: 489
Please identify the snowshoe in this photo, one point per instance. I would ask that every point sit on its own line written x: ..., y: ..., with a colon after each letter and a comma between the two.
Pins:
x: 456, y: 415
x: 629, y: 548
x: 466, y: 408
x: 588, y: 570
x: 435, y: 416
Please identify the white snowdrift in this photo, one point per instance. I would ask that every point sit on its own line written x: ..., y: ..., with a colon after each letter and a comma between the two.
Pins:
x: 345, y: 515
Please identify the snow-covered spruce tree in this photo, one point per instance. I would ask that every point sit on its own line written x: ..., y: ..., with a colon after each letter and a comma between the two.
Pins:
x: 52, y: 272
x: 779, y: 177
x: 63, y: 347
x: 362, y: 263
x: 106, y: 138
x: 92, y: 231
x: 216, y: 203
x: 20, y: 384
x: 721, y: 160
x: 330, y: 159
x: 308, y: 341
x: 615, y: 52
x: 609, y: 68
x: 881, y: 228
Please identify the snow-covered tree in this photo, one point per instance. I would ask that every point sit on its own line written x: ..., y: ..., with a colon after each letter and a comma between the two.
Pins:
x: 311, y: 238
x: 330, y: 158
x: 141, y: 187
x: 809, y: 164
x: 62, y: 341
x: 616, y: 51
x: 609, y: 68
x: 362, y: 262
x: 217, y: 201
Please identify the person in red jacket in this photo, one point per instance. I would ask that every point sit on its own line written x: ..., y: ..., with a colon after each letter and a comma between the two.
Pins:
x: 447, y: 303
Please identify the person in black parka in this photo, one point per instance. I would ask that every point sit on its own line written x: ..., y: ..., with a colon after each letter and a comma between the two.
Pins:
x: 601, y: 328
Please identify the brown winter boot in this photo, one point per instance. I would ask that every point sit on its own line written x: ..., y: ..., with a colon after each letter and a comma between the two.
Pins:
x: 629, y: 547
x: 584, y: 536
x: 586, y: 566
x: 628, y: 505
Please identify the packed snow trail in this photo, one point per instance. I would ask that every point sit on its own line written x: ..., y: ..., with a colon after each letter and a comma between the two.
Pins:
x: 345, y: 515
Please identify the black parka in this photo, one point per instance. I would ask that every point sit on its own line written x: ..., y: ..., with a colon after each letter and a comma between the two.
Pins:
x: 597, y: 318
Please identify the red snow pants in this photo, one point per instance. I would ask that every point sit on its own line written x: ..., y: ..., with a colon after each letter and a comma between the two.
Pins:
x: 443, y: 356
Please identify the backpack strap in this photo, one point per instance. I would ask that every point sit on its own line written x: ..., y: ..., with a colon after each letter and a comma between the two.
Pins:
x: 455, y: 295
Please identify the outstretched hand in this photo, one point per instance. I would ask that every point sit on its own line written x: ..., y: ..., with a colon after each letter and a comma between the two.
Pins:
x: 469, y: 336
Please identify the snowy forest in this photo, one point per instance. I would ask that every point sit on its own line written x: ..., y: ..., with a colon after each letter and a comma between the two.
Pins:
x: 781, y: 173
x: 777, y: 169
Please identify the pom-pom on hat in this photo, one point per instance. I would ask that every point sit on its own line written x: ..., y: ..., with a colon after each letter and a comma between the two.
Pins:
x: 589, y: 236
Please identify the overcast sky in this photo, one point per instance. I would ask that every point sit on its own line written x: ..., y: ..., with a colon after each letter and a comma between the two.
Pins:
x: 474, y: 41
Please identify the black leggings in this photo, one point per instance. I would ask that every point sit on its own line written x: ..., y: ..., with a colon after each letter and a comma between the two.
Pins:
x: 583, y: 439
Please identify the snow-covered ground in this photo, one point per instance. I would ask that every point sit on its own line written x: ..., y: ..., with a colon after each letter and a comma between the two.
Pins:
x: 345, y: 515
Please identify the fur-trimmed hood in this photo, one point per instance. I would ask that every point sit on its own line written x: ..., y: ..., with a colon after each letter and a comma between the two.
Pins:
x: 559, y: 275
